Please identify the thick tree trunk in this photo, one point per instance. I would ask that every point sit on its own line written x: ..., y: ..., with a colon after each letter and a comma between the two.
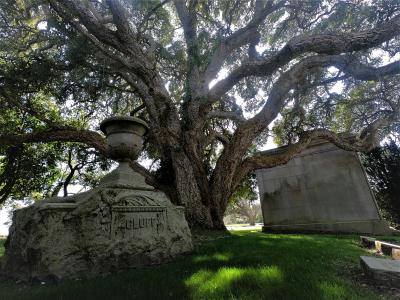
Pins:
x: 201, y: 210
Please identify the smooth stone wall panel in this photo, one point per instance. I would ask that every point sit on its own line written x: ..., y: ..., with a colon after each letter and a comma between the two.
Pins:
x: 324, y: 185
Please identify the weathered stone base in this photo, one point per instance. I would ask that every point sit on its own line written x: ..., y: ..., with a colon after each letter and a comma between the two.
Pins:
x: 108, y: 229
x: 377, y: 227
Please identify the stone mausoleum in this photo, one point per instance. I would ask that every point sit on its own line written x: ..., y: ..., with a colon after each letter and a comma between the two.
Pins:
x: 322, y: 189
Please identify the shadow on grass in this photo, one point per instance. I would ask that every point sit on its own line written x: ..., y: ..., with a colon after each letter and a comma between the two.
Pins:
x: 244, y: 265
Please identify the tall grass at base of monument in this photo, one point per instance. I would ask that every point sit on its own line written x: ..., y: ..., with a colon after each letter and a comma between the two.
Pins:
x: 239, y: 265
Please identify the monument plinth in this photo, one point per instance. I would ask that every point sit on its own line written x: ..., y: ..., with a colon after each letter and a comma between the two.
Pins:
x: 123, y: 223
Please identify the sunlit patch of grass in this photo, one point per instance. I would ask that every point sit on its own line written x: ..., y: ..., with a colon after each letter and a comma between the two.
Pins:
x: 332, y: 290
x: 217, y: 257
x: 2, y: 241
x: 392, y: 239
x: 290, y: 237
x: 207, y: 284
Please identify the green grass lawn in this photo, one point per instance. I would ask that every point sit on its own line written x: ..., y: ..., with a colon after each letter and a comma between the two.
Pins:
x: 242, y: 265
x: 390, y: 239
x: 1, y: 247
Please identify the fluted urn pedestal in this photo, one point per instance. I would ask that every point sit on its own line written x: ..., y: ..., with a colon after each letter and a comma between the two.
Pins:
x: 123, y: 223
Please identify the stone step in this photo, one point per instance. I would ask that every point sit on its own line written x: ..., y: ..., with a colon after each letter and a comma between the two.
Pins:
x: 381, y: 270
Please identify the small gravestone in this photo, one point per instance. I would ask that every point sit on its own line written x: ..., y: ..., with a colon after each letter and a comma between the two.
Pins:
x: 381, y: 270
x: 123, y: 223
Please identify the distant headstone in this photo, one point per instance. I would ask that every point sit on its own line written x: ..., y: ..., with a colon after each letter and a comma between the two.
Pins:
x: 123, y: 223
x: 322, y: 189
x: 381, y: 270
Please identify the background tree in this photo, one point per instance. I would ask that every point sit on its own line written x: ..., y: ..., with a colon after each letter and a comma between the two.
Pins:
x: 383, y: 167
x: 244, y: 202
x: 210, y: 77
x: 244, y: 211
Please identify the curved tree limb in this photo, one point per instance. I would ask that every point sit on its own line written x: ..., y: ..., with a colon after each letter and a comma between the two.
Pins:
x: 123, y: 40
x: 280, y: 156
x: 120, y: 18
x: 240, y: 37
x: 290, y: 79
x: 90, y: 138
x: 322, y: 44
x: 74, y: 8
x: 226, y: 115
x: 247, y: 131
x: 188, y: 18
x: 269, y: 159
x: 150, y: 13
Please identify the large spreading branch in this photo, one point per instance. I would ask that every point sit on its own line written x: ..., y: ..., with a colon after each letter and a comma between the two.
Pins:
x: 232, y: 115
x: 120, y: 45
x: 243, y: 36
x: 247, y: 131
x: 87, y: 137
x: 364, y: 142
x: 269, y: 159
x: 291, y: 79
x: 129, y: 52
x: 119, y: 61
x: 90, y: 138
x: 320, y: 43
x: 188, y: 19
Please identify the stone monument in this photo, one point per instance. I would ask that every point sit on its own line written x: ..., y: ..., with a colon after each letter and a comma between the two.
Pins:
x: 123, y: 223
x: 322, y: 189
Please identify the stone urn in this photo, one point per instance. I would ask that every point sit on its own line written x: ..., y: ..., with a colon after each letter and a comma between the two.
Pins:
x: 124, y: 137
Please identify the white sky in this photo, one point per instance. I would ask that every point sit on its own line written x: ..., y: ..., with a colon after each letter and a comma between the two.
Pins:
x: 3, y: 219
